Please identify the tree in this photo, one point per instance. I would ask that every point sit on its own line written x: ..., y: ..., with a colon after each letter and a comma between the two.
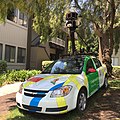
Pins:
x: 47, y: 17
x: 102, y: 15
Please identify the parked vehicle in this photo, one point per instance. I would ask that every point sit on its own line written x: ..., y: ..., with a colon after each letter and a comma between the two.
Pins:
x: 63, y: 86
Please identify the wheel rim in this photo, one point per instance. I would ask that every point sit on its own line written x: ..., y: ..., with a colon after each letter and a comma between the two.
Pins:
x: 82, y: 102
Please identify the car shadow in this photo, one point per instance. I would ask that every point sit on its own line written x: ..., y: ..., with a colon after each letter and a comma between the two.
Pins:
x: 104, y: 104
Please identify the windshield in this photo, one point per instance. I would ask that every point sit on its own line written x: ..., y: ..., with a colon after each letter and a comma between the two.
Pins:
x: 65, y: 66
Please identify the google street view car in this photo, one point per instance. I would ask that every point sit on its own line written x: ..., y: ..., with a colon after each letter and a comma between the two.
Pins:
x: 63, y: 86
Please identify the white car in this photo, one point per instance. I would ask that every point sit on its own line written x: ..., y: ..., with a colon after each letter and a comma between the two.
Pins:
x: 63, y: 86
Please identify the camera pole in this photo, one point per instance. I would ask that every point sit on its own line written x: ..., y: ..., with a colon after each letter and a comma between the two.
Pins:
x: 71, y: 24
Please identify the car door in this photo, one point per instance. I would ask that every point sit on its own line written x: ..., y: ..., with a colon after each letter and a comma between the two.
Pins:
x: 100, y: 70
x: 92, y: 76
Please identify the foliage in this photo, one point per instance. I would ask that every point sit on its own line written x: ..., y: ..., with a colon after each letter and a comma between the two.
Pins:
x: 48, y: 16
x: 104, y: 17
x: 114, y: 83
x: 3, y: 66
x: 116, y: 71
x: 46, y: 64
x: 16, y: 76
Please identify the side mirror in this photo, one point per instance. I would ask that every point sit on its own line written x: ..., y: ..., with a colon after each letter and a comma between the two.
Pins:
x: 91, y: 70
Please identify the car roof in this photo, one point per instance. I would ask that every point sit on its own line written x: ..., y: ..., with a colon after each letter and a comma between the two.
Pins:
x: 81, y: 55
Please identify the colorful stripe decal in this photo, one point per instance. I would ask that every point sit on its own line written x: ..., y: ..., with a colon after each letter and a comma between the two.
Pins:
x: 35, y: 101
x: 56, y: 86
x: 61, y: 102
x: 35, y: 79
x: 28, y: 83
x: 51, y: 77
x: 73, y: 78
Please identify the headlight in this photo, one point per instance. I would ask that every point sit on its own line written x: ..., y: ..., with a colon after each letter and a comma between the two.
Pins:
x: 60, y: 92
x: 20, y: 88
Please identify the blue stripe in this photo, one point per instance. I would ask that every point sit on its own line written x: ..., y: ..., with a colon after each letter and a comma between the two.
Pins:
x: 56, y: 86
x: 35, y: 101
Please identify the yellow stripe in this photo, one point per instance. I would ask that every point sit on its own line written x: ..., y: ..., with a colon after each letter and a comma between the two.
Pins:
x: 103, y: 71
x: 52, y: 76
x: 65, y: 111
x: 61, y: 102
x: 85, y: 80
x: 28, y: 83
x: 73, y: 78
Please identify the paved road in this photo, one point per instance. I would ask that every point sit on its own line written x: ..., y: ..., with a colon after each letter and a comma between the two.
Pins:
x: 10, y: 88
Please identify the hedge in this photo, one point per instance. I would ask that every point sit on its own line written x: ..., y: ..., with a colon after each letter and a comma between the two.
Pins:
x: 116, y: 71
x: 16, y: 76
x: 3, y: 66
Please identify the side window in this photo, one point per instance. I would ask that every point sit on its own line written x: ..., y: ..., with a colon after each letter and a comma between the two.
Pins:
x: 89, y: 65
x: 97, y: 62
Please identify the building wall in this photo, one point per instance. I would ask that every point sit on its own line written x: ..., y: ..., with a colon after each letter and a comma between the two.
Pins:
x: 38, y: 54
x: 15, y: 35
x: 116, y: 58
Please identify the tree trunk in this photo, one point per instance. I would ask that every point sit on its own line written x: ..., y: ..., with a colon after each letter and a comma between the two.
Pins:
x: 29, y: 38
x: 100, y: 49
x: 106, y: 53
x: 113, y: 10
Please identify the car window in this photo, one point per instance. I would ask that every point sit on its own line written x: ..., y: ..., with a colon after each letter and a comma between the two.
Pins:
x: 65, y: 66
x: 89, y: 65
x: 97, y: 62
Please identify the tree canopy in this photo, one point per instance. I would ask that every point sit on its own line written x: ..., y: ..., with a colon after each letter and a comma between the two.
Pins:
x: 100, y: 18
x: 49, y: 16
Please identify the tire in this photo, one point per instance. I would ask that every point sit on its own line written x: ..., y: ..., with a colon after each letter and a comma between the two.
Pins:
x: 105, y: 85
x: 81, y: 101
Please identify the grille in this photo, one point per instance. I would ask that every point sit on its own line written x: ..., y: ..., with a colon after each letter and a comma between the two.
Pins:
x: 35, y: 93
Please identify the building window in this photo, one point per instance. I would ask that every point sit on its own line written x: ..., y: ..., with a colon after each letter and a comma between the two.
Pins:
x: 22, y: 19
x: 21, y: 55
x: 10, y: 53
x: 11, y: 14
x: 1, y: 48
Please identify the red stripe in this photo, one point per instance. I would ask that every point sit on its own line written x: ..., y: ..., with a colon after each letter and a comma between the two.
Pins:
x: 35, y: 79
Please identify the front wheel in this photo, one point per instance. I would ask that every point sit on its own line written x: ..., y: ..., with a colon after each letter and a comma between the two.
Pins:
x: 82, y: 101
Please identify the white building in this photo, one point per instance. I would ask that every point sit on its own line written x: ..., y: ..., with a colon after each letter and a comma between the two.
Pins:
x: 13, y: 40
x: 116, y: 58
x: 13, y: 43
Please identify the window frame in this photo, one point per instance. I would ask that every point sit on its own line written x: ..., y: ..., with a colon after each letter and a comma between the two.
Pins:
x: 89, y: 66
x: 95, y: 61
x: 20, y: 56
x: 10, y: 54
x: 1, y: 50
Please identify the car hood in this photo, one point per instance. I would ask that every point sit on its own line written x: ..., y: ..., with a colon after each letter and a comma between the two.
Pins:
x: 46, y: 81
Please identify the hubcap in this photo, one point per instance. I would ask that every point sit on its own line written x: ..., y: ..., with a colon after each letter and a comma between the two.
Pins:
x: 82, y: 102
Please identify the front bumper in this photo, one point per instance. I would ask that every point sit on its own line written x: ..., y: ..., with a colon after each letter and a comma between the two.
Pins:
x: 47, y: 105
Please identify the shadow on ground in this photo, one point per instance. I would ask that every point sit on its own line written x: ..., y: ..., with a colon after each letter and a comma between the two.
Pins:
x: 104, y: 104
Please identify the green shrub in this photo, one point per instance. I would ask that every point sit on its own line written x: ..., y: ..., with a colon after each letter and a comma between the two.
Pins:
x: 16, y: 76
x: 3, y: 78
x: 3, y: 66
x: 46, y: 64
x: 116, y: 71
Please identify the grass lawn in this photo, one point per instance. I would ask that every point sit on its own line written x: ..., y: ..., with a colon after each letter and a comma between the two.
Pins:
x: 104, y: 104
